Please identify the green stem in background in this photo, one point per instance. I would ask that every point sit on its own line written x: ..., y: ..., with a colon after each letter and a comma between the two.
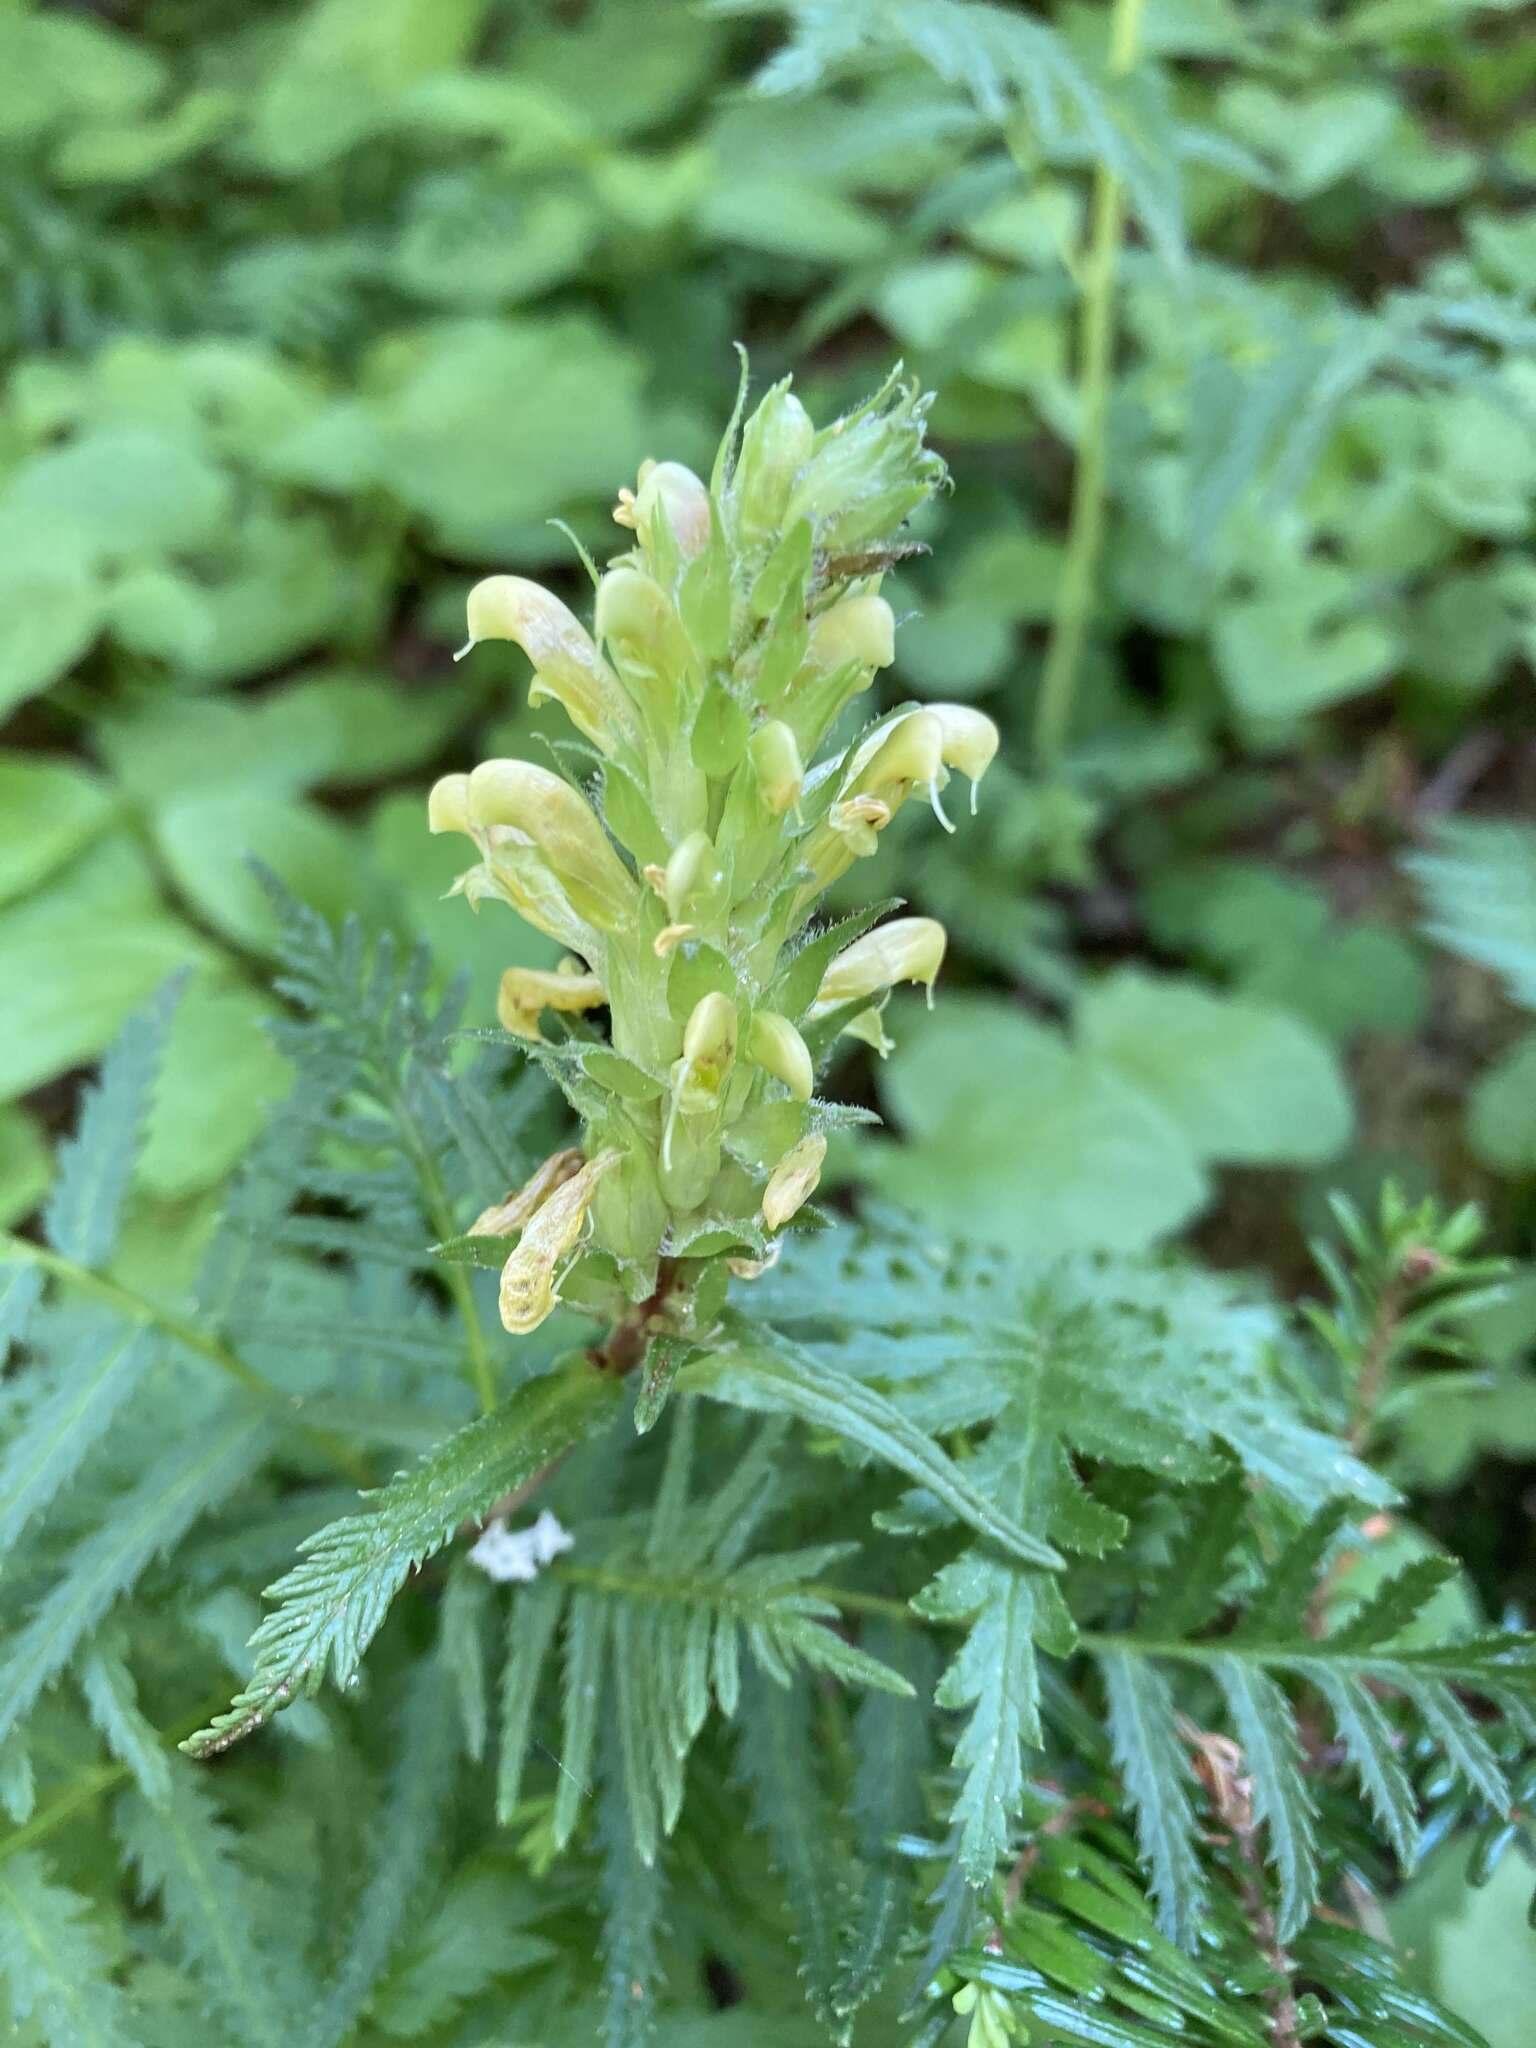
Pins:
x: 1085, y: 524
x: 138, y: 1308
x: 482, y: 1373
x: 90, y: 1785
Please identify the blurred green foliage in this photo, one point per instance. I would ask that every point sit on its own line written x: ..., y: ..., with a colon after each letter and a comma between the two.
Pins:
x: 316, y: 312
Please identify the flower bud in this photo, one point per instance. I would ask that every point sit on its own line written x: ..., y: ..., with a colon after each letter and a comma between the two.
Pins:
x: 566, y: 663
x: 777, y: 764
x: 694, y: 881
x: 526, y: 991
x: 528, y: 1278
x: 776, y: 444
x: 535, y: 807
x: 857, y: 629
x: 905, y: 949
x: 709, y: 1039
x: 775, y: 1044
x: 637, y: 624
x: 868, y: 472
x: 683, y: 497
x: 709, y: 1053
x: 794, y: 1180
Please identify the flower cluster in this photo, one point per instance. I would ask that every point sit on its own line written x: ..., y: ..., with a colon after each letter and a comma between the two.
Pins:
x: 728, y: 647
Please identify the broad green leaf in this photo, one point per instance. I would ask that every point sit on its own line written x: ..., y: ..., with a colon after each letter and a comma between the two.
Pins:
x: 791, y: 219
x: 1478, y: 881
x: 81, y: 955
x: 132, y: 150
x: 1501, y: 1115
x: 1301, y: 649
x: 58, y: 66
x: 208, y: 842
x: 1313, y: 139
x: 1015, y: 1136
x: 133, y: 489
x: 51, y: 809
x: 47, y: 622
x: 479, y: 470
x: 1242, y: 1081
x: 222, y: 1076
x: 348, y: 726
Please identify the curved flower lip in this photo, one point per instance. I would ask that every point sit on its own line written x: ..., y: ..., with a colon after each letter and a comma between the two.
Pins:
x: 539, y: 809
x: 448, y: 805
x: 905, y: 949
x: 567, y: 665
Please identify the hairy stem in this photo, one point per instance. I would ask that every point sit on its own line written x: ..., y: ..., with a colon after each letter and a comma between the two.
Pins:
x: 1085, y: 525
x: 1371, y: 1381
x: 138, y: 1308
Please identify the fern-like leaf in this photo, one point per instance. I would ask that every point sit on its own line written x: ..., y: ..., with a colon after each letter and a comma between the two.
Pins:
x: 80, y: 1396
x: 96, y: 1164
x: 777, y: 1377
x: 632, y: 1890
x: 144, y: 1523
x: 656, y: 1614
x: 1157, y: 1778
x: 187, y: 1857
x: 415, y: 1812
x: 113, y: 1701
x: 778, y: 1759
x: 1372, y: 1653
x: 333, y: 1602
x: 53, y: 1962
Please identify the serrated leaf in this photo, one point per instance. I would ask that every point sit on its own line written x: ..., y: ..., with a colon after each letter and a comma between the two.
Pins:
x: 776, y: 1376
x: 416, y: 1809
x: 187, y: 1856
x: 53, y: 1962
x: 1157, y: 1777
x: 142, y: 1524
x: 332, y: 1603
x: 1261, y: 1716
x: 87, y: 1390
x: 95, y: 1165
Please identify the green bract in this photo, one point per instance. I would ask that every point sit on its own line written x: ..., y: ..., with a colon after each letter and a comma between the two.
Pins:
x: 727, y: 792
